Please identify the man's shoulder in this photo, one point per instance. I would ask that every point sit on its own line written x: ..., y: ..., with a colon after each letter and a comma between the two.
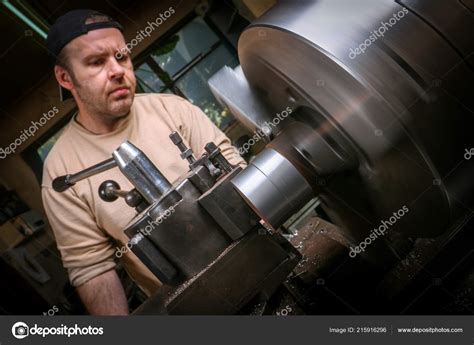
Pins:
x: 168, y: 108
x: 166, y: 101
x: 61, y: 144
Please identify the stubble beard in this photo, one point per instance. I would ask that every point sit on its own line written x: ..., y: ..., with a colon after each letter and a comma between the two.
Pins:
x: 107, y: 110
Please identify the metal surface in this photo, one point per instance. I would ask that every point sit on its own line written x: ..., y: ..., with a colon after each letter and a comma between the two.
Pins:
x: 273, y: 187
x: 210, y: 250
x: 141, y: 172
x: 322, y: 248
x: 363, y: 134
x: 217, y: 158
x: 257, y: 263
x: 388, y: 107
x: 61, y: 183
x: 153, y: 259
x: 199, y: 236
x: 233, y: 91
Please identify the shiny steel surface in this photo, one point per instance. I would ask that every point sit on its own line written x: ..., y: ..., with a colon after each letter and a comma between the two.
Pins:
x: 233, y: 91
x: 141, y: 172
x: 403, y: 108
x: 273, y: 187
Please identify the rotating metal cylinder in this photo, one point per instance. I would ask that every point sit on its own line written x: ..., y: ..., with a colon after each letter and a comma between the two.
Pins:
x: 401, y: 115
x: 273, y: 187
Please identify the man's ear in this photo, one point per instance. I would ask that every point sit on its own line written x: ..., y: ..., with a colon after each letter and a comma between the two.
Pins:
x: 63, y: 77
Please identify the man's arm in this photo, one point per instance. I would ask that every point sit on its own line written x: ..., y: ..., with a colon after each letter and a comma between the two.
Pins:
x: 87, y: 251
x: 104, y: 295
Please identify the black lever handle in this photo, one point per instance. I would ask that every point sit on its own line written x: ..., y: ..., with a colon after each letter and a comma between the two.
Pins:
x: 62, y: 183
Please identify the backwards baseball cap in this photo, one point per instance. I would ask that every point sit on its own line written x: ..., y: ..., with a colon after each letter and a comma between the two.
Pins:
x: 73, y: 24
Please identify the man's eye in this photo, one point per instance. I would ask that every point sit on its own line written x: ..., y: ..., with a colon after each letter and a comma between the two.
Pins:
x: 97, y: 62
x: 122, y: 57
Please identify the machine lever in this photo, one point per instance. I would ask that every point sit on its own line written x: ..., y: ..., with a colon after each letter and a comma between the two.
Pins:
x: 62, y: 183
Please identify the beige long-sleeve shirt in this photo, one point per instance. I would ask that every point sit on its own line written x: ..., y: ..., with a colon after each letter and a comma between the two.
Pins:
x: 88, y: 230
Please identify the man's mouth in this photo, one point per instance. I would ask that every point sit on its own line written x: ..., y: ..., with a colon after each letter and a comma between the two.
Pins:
x: 120, y: 91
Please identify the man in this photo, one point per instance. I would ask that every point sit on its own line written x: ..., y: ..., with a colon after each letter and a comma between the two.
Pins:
x: 87, y: 229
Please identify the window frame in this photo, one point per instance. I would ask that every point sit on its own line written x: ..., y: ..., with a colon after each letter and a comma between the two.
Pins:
x: 145, y: 56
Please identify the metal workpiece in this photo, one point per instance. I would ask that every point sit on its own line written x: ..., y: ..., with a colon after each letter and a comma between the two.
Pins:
x: 273, y: 187
x: 448, y: 17
x: 385, y: 99
x: 141, y: 172
x: 318, y: 153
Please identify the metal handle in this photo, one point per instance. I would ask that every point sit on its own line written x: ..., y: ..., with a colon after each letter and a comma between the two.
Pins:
x: 62, y: 183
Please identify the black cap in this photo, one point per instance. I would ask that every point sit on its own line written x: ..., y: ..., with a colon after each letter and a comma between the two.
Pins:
x: 72, y: 25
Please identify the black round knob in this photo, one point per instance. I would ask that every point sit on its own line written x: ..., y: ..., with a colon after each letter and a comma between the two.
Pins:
x: 133, y: 198
x: 107, y: 190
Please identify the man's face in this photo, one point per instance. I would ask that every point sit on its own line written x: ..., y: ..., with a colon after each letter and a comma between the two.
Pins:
x: 104, y: 84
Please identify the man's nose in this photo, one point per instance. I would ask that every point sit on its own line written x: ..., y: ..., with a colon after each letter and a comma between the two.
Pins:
x: 116, y: 70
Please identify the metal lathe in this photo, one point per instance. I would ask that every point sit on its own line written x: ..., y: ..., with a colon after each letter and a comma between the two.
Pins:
x: 380, y: 122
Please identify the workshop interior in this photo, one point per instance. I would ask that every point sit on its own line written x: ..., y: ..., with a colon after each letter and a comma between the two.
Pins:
x: 355, y: 118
